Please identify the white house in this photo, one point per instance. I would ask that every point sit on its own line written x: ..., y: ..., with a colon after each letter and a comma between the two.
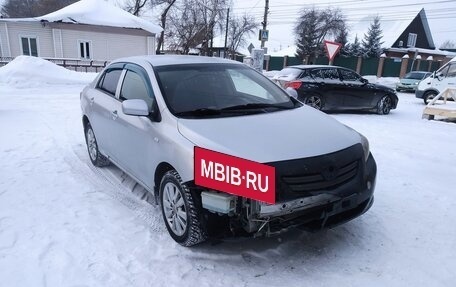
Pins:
x: 88, y: 29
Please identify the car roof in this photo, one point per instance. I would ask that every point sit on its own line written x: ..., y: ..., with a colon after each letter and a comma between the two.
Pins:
x: 419, y: 72
x: 165, y: 60
x: 302, y: 67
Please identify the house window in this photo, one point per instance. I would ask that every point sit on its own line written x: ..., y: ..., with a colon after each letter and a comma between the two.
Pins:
x: 411, y: 42
x: 84, y: 49
x: 29, y: 46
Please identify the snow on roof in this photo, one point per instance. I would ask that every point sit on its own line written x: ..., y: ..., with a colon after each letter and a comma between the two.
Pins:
x: 96, y: 12
x: 423, y: 51
x: 391, y: 29
x: 289, y: 51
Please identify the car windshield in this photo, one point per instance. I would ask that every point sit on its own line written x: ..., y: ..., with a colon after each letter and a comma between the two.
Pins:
x: 212, y: 90
x: 415, y: 76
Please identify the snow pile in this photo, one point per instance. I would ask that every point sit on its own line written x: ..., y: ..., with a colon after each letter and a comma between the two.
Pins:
x: 385, y: 81
x: 25, y: 71
x: 99, y: 12
x: 65, y: 223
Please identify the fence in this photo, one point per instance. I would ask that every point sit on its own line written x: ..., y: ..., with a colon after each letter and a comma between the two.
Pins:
x: 381, y: 67
x: 72, y: 64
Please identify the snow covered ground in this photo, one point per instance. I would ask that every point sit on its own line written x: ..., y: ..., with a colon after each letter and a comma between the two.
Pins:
x: 65, y: 223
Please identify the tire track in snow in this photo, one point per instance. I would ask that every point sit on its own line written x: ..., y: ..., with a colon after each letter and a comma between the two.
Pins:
x: 104, y: 179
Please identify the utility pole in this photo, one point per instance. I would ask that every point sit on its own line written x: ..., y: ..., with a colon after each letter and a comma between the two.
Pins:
x: 226, y: 30
x: 265, y: 19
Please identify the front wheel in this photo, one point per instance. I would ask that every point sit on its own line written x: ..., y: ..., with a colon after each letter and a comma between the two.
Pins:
x: 429, y: 96
x: 180, y: 212
x: 385, y: 105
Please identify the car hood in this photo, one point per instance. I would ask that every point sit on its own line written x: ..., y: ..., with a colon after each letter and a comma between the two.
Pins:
x: 269, y: 137
x: 410, y: 81
x: 380, y: 87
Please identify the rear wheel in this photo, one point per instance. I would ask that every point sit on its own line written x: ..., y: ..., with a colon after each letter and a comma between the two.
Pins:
x: 314, y: 101
x: 96, y: 157
x: 180, y: 212
x: 384, y: 105
x: 429, y: 96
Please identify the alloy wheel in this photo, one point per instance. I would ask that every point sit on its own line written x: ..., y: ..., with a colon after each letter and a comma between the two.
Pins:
x: 314, y: 102
x: 386, y: 104
x: 174, y: 209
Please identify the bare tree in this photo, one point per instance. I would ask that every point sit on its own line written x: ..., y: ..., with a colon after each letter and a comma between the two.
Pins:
x: 238, y: 29
x: 32, y: 8
x: 166, y: 6
x: 313, y: 27
x: 448, y: 44
x: 134, y: 6
x: 193, y: 23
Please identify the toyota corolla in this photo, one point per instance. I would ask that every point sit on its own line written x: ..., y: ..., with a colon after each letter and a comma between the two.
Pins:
x: 155, y: 116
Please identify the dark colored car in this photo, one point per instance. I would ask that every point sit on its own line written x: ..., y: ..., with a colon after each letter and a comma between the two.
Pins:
x: 331, y: 88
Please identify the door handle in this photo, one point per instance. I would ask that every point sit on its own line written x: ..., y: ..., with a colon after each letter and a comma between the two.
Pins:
x: 114, y: 115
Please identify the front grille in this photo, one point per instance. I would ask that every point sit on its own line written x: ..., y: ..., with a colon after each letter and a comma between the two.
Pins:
x: 329, y: 178
x: 338, y: 173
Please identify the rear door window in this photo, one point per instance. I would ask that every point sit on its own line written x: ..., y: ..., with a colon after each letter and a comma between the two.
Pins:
x: 327, y: 75
x: 109, y: 80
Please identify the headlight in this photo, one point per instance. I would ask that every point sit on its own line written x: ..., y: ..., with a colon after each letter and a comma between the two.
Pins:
x: 365, y: 144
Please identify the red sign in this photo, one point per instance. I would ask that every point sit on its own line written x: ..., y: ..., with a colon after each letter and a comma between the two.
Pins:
x: 234, y: 175
x: 332, y: 48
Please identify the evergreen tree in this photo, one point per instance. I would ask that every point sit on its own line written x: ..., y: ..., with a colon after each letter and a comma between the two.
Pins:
x: 355, y: 49
x: 371, y: 46
x: 306, y: 36
x: 313, y: 27
x: 342, y: 39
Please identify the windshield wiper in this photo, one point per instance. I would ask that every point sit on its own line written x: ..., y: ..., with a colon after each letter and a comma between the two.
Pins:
x: 252, y: 106
x: 200, y: 112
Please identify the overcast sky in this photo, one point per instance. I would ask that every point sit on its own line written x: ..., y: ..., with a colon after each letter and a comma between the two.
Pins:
x: 282, y: 16
x: 441, y: 15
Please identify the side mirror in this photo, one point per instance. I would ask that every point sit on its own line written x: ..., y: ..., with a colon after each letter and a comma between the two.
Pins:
x: 364, y: 81
x: 135, y: 107
x: 292, y: 92
x: 439, y: 76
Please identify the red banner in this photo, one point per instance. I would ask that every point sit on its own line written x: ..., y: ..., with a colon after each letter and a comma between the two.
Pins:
x: 234, y: 175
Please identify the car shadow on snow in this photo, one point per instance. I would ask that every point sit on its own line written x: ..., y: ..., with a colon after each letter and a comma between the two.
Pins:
x: 295, y: 243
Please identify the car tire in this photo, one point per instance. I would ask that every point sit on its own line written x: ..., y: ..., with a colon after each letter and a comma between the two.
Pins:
x: 429, y: 96
x: 314, y: 101
x: 180, y: 211
x: 95, y: 156
x: 385, y: 105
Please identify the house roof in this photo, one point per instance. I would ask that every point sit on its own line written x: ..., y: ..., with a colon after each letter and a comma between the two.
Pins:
x: 289, y: 51
x: 423, y: 51
x: 219, y: 42
x: 94, y: 12
x: 391, y: 28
